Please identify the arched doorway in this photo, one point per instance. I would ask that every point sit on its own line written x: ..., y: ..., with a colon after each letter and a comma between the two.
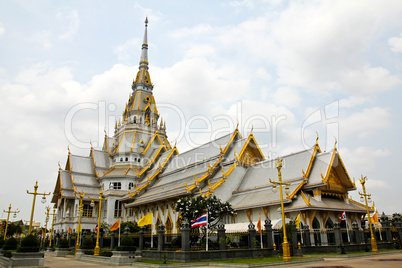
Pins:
x: 169, y: 228
x: 344, y: 231
x: 329, y: 226
x: 317, y: 231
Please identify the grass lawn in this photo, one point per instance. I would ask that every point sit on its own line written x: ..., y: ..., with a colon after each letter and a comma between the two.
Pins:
x: 349, y: 253
x: 238, y: 261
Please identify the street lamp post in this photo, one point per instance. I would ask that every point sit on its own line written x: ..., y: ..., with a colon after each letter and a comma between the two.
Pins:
x: 35, y: 193
x: 47, y: 219
x: 368, y: 200
x: 8, y: 216
x: 80, y: 207
x: 51, y: 232
x: 97, y: 248
x: 285, y: 244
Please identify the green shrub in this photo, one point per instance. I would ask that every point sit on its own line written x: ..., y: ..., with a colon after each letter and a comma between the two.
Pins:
x: 127, y: 241
x: 87, y: 244
x: 11, y: 244
x: 30, y: 241
x: 2, y: 242
x: 126, y: 248
x: 106, y: 253
x: 29, y: 244
x: 127, y: 244
x: 63, y: 243
x: 89, y: 252
x: 7, y: 253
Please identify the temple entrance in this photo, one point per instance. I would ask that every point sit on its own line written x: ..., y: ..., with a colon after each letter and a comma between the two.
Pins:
x: 317, y: 232
x: 169, y: 229
x: 329, y: 225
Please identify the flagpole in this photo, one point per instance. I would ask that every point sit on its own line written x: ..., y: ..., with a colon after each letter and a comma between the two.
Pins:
x: 207, y: 232
x: 119, y: 234
x: 262, y: 246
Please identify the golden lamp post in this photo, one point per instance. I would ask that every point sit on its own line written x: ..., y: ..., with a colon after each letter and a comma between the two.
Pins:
x: 8, y: 217
x: 368, y: 200
x: 97, y: 248
x: 80, y: 207
x: 35, y: 193
x: 51, y: 232
x: 47, y: 219
x: 285, y: 244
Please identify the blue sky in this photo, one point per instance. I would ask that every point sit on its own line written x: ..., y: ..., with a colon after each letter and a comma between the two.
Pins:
x: 284, y: 68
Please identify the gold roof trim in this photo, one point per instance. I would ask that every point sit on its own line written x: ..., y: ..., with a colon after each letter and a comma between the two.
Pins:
x: 305, y: 198
x: 292, y: 194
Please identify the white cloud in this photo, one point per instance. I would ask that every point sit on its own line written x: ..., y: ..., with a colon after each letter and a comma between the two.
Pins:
x: 73, y: 23
x: 42, y: 38
x: 153, y: 16
x: 287, y: 96
x: 362, y: 159
x: 395, y: 43
x: 353, y: 101
x: 2, y: 30
x: 364, y: 123
x: 197, y: 30
x: 368, y: 80
x: 199, y: 50
x: 263, y: 74
x: 242, y: 4
x: 124, y: 51
x: 322, y: 45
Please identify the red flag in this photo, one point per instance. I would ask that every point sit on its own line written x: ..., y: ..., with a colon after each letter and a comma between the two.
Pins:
x: 343, y: 216
x: 96, y: 228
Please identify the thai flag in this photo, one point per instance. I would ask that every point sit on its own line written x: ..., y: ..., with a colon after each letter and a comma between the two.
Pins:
x: 343, y: 216
x: 200, y: 221
x: 96, y: 228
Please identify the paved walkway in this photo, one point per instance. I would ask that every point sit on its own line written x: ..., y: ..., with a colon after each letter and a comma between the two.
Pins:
x: 388, y: 260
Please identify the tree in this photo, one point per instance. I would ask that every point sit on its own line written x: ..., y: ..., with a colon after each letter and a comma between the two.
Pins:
x: 132, y: 225
x: 191, y: 207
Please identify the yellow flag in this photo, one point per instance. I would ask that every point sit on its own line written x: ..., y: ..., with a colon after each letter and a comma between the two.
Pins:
x: 79, y: 228
x: 70, y: 230
x: 297, y: 221
x: 147, y: 219
x: 374, y: 219
x: 115, y: 226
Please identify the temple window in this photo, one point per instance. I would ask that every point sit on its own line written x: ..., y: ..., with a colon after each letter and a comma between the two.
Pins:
x: 126, y: 159
x: 115, y: 185
x: 130, y: 185
x: 117, y: 209
x: 87, y: 211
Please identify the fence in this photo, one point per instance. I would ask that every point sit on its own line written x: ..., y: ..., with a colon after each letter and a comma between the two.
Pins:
x: 190, y: 244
